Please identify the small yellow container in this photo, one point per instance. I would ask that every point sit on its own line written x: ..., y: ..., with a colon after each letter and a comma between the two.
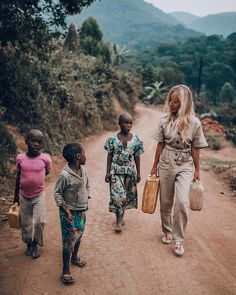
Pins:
x: 150, y: 194
x: 14, y: 216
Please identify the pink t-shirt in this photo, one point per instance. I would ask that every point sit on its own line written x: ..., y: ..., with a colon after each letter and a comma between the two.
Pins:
x: 33, y: 171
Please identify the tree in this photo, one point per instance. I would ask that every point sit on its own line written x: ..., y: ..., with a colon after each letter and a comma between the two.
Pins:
x: 29, y: 22
x: 90, y: 28
x: 227, y: 93
x: 118, y: 54
x: 91, y: 43
x: 25, y: 32
x: 149, y: 74
x: 172, y: 75
x: 216, y: 75
x: 90, y: 37
x: 154, y: 93
x: 71, y: 41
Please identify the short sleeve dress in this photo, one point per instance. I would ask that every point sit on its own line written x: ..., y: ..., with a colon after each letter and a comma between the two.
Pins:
x: 123, y: 185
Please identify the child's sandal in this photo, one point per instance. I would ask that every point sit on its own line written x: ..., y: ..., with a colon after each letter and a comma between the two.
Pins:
x: 66, y: 278
x: 80, y: 263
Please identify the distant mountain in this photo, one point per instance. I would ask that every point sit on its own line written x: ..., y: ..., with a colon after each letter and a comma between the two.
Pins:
x: 184, y: 17
x: 134, y: 23
x: 220, y: 24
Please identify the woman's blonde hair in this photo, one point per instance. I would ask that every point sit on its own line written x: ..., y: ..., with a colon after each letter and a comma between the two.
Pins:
x: 186, y: 111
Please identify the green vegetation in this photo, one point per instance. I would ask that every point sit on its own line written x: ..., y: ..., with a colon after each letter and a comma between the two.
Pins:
x: 213, y: 84
x: 65, y: 90
x: 221, y: 24
x: 214, y: 142
x: 227, y: 169
x: 27, y: 24
x: 91, y: 42
x: 179, y: 63
x: 134, y: 24
x: 220, y: 166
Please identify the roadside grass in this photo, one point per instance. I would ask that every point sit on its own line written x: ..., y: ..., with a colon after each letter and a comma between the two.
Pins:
x: 226, y: 169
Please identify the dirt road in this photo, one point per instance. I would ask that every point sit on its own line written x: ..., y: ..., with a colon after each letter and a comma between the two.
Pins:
x: 135, y: 261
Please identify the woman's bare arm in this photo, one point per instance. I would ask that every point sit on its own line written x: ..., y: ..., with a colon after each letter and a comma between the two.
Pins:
x: 159, y: 148
x: 196, y: 162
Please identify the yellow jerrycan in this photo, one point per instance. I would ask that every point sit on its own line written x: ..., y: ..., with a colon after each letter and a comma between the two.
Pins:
x: 14, y: 216
x: 150, y: 194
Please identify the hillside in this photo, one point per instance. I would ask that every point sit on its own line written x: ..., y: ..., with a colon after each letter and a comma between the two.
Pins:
x: 134, y: 24
x: 220, y: 24
x: 184, y: 18
x: 69, y: 97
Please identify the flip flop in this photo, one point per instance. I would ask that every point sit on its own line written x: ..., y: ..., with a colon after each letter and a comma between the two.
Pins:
x: 80, y: 263
x: 66, y: 278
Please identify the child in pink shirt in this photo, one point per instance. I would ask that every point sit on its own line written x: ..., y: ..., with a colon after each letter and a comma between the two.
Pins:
x: 32, y: 167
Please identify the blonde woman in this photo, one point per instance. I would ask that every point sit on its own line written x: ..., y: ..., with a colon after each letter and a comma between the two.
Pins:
x: 180, y: 138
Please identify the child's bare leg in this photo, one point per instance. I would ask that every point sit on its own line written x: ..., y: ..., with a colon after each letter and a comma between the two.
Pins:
x: 123, y: 222
x: 66, y: 262
x: 75, y: 259
x: 66, y: 277
x: 29, y: 250
x: 35, y: 250
x: 119, y: 219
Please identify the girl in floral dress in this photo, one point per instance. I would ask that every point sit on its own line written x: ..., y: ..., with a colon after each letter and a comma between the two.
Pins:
x: 123, y: 169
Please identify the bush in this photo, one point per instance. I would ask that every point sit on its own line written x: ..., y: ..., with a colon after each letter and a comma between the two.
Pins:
x: 232, y: 182
x: 68, y: 97
x: 215, y: 142
x: 231, y: 135
x: 7, y: 147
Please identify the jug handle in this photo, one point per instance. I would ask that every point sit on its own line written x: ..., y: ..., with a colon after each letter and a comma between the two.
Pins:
x: 14, y: 207
x: 153, y: 176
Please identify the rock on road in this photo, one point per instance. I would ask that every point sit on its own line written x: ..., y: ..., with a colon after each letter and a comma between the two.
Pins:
x: 135, y: 261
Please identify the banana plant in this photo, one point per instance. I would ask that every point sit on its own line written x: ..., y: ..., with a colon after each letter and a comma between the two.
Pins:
x: 154, y: 92
x: 118, y: 54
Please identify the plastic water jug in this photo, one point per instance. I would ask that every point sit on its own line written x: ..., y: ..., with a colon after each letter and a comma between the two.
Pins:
x: 196, y: 193
x: 150, y: 194
x: 14, y: 216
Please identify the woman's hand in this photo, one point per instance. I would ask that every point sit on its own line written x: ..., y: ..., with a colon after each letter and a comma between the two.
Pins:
x: 196, y: 176
x: 107, y: 178
x: 153, y: 171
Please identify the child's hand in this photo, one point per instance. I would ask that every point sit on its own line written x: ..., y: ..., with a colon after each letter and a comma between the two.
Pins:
x: 69, y: 217
x: 107, y: 178
x: 138, y: 178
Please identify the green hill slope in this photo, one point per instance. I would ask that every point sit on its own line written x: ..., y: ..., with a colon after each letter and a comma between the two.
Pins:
x: 134, y: 24
x: 184, y: 18
x: 220, y: 24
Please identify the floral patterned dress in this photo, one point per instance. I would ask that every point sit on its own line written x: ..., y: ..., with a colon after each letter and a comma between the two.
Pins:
x: 123, y: 184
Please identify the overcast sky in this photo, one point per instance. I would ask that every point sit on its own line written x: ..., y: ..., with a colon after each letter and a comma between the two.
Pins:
x: 197, y: 7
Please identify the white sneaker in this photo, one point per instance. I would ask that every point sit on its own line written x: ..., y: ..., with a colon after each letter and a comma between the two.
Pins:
x: 179, y: 248
x: 166, y: 238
